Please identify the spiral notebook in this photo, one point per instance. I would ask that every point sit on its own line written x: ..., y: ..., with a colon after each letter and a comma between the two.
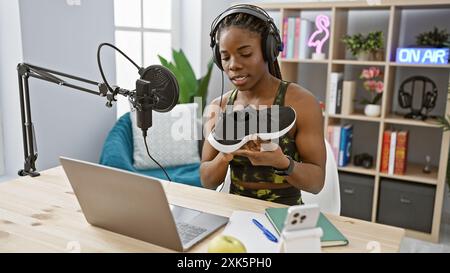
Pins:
x: 331, y: 235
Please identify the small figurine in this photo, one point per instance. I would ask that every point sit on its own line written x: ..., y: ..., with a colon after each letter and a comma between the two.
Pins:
x: 427, y: 168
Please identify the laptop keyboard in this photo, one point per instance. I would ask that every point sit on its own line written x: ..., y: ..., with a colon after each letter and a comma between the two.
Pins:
x: 188, y: 232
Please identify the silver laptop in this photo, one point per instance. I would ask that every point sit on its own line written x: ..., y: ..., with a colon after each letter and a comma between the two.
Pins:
x: 136, y: 206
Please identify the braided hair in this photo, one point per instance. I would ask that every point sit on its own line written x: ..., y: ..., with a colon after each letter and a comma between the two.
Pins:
x: 253, y: 24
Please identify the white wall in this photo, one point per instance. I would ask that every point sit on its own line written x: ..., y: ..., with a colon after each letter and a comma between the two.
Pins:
x: 196, y: 19
x: 65, y: 38
x: 211, y: 9
x: 2, y: 161
x: 54, y: 35
x: 10, y: 56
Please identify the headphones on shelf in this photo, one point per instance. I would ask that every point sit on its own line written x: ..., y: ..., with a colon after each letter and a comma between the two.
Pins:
x: 429, y: 96
x: 271, y: 43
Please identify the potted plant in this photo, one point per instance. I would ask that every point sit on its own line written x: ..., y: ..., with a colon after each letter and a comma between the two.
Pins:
x: 190, y: 87
x: 374, y: 84
x: 435, y: 38
x: 365, y: 48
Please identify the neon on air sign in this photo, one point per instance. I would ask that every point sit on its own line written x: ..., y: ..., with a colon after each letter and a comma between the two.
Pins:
x: 422, y: 55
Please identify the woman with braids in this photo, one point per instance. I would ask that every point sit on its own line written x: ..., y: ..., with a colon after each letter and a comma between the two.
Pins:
x: 239, y: 40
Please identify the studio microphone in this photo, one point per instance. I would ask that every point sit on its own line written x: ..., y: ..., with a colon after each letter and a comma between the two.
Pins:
x: 158, y: 90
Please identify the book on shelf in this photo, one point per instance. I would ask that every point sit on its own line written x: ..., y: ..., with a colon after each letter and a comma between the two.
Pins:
x: 334, y: 135
x: 290, y: 38
x: 394, y: 152
x: 385, y: 151
x: 335, y: 77
x: 339, y: 96
x: 306, y: 28
x: 345, y: 148
x: 296, y: 32
x: 297, y: 37
x: 331, y: 235
x: 401, y: 149
x: 285, y: 43
x: 348, y: 95
x: 392, y: 146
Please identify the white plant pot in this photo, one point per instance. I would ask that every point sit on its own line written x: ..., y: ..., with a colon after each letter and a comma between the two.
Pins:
x: 363, y: 56
x: 318, y: 56
x: 372, y: 110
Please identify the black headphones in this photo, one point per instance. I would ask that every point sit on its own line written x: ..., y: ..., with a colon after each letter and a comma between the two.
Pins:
x: 429, y: 96
x: 271, y: 43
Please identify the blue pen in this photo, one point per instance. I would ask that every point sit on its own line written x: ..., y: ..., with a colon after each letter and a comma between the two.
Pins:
x: 266, y: 232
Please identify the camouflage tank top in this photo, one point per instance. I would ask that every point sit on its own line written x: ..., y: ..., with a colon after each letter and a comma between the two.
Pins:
x: 242, y: 169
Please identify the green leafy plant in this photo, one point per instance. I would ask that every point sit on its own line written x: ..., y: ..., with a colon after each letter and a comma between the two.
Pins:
x: 354, y: 43
x: 374, y: 41
x: 190, y: 86
x: 434, y: 38
x: 358, y: 43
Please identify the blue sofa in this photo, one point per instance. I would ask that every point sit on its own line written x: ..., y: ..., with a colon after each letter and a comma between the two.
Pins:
x: 118, y: 152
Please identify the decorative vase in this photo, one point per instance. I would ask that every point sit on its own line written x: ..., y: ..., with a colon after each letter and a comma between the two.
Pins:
x: 372, y: 110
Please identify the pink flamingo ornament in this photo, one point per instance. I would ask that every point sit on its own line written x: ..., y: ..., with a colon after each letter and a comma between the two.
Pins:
x: 322, y: 24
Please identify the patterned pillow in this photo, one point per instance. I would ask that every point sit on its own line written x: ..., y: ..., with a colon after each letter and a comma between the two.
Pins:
x: 172, y: 140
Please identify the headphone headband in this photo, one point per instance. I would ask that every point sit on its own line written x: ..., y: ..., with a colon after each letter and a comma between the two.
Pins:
x: 247, y: 9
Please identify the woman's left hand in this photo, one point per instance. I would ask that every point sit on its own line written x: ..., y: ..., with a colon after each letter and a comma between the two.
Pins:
x: 275, y: 158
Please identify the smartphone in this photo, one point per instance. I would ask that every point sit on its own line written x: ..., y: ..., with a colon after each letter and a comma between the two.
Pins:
x: 302, y: 217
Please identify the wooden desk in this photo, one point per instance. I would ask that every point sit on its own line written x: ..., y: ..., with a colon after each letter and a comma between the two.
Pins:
x: 42, y: 215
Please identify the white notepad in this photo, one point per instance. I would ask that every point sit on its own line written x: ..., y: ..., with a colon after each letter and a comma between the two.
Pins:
x: 241, y: 226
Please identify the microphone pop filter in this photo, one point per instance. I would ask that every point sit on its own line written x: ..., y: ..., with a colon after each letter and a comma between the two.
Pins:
x: 163, y: 85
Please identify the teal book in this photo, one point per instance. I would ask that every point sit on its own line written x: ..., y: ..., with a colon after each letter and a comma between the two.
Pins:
x: 331, y: 235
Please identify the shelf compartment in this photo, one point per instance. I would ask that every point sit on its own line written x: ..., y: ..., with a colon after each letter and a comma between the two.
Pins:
x: 422, y: 142
x: 299, y: 44
x: 351, y: 74
x: 398, y: 74
x: 358, y: 20
x: 414, y: 173
x: 364, y: 140
x: 413, y: 20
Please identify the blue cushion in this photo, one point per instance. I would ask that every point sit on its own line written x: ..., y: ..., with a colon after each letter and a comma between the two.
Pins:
x: 118, y: 152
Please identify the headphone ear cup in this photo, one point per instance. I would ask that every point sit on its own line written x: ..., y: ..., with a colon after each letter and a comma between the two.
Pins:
x: 404, y: 100
x: 216, y: 57
x: 271, y: 50
x: 430, y: 100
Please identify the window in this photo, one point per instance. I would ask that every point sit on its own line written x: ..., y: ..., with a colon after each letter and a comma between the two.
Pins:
x: 144, y: 29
